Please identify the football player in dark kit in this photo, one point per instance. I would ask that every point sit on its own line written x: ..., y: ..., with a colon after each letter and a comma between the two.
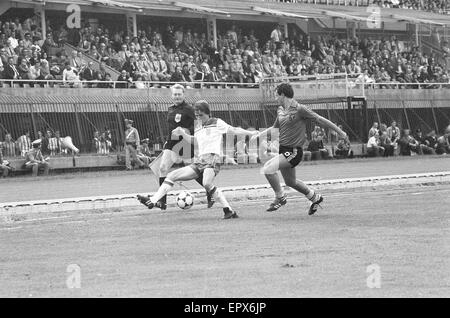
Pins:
x: 180, y: 114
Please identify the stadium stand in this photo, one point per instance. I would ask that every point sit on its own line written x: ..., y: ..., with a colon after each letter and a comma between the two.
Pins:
x: 105, y: 54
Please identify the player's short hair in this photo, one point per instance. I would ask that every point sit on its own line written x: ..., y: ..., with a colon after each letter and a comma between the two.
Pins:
x: 286, y: 90
x: 177, y: 86
x: 203, y: 106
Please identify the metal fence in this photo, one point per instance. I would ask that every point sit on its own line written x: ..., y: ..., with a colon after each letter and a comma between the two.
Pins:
x: 81, y: 118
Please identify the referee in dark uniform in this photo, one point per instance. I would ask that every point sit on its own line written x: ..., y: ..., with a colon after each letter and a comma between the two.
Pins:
x: 180, y: 114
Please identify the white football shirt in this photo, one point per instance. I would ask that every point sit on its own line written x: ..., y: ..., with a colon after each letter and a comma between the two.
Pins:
x: 209, y: 136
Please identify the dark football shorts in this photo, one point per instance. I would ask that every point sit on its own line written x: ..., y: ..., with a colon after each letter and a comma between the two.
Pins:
x: 205, y: 161
x: 178, y: 146
x: 293, y: 155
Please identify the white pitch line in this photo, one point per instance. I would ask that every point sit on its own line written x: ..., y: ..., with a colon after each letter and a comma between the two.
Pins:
x: 125, y: 215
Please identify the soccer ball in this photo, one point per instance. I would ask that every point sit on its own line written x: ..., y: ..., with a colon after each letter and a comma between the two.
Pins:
x: 185, y: 200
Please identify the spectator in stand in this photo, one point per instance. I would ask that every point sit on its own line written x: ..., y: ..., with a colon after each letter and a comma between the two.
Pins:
x: 10, y: 71
x: 70, y: 76
x: 123, y: 80
x: 408, y: 145
x: 24, y: 143
x: 89, y: 74
x: 9, y: 146
x: 177, y: 76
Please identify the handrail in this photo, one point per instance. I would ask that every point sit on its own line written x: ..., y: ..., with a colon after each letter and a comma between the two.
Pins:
x: 113, y: 72
x: 148, y: 84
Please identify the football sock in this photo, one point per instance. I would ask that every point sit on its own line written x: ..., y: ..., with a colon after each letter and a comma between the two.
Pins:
x: 312, y: 196
x: 164, y: 198
x: 279, y: 194
x: 162, y: 191
x: 218, y: 195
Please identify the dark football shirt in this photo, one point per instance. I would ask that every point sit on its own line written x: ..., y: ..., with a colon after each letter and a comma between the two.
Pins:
x: 181, y: 115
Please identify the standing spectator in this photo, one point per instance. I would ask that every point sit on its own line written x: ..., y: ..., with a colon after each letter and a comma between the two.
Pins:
x: 374, y: 130
x: 45, y: 143
x: 9, y: 146
x: 35, y: 160
x: 96, y: 143
x: 24, y: 143
x: 276, y: 36
x: 393, y: 133
x: 386, y: 143
x: 55, y: 144
x: 132, y: 143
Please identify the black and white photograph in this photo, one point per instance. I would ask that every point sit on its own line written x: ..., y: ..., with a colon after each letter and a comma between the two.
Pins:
x: 224, y: 153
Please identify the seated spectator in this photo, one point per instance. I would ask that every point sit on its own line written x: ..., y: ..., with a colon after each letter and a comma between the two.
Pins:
x: 107, y: 82
x: 343, y: 147
x: 35, y: 160
x: 424, y: 144
x: 197, y: 76
x: 123, y: 80
x: 9, y: 146
x: 408, y: 145
x: 88, y: 73
x: 374, y: 148
x: 177, y: 76
x: 10, y: 71
x: 144, y: 153
x: 70, y: 76
x: 5, y: 166
x: 431, y: 140
x: 139, y: 83
x: 443, y: 143
x: 316, y: 146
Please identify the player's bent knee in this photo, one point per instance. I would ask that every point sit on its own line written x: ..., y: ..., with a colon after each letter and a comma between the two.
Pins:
x: 208, y: 186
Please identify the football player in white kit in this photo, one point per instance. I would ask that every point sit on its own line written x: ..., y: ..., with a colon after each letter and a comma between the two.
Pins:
x: 208, y: 134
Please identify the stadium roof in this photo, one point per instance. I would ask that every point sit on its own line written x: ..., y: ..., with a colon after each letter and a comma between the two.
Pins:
x: 244, y: 9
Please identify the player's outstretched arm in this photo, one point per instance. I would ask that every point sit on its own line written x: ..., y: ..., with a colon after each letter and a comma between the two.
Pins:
x: 322, y: 121
x: 240, y: 131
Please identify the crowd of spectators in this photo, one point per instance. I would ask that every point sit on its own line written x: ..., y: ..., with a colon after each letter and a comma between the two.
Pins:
x: 177, y: 54
x: 436, y: 6
x: 389, y: 141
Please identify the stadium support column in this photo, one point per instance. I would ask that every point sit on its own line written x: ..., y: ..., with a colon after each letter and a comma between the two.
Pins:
x: 211, y: 29
x: 40, y: 13
x: 285, y: 27
x: 132, y: 24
